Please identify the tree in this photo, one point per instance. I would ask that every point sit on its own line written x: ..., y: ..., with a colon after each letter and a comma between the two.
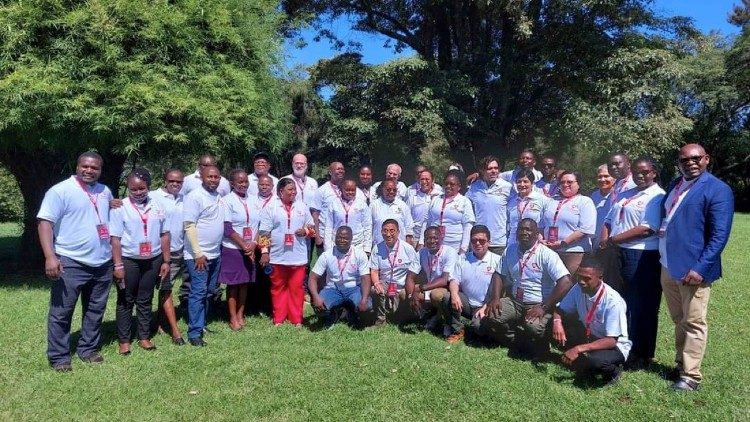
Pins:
x: 131, y: 79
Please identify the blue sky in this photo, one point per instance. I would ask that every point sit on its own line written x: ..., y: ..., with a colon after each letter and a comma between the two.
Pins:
x: 708, y: 15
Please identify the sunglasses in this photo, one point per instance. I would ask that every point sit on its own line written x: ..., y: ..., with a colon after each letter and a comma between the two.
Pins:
x: 693, y: 158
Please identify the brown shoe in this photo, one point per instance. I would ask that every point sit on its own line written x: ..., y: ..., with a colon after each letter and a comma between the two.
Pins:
x: 455, y: 337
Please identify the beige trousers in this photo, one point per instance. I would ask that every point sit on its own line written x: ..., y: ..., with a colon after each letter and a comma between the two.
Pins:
x: 687, y: 307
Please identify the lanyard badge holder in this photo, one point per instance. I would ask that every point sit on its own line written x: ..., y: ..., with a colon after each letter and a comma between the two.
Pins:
x: 247, y: 234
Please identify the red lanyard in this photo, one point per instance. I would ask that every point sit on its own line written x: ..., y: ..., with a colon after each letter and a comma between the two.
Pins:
x: 677, y: 194
x: 518, y: 208
x: 590, y: 313
x: 144, y: 217
x: 270, y: 197
x: 247, y: 211
x: 288, y: 215
x: 343, y: 267
x: 560, y: 205
x: 619, y: 189
x: 392, y: 262
x: 522, y: 264
x: 301, y: 186
x: 346, y: 209
x: 92, y: 197
x: 625, y: 204
x: 442, y: 209
x: 433, y: 262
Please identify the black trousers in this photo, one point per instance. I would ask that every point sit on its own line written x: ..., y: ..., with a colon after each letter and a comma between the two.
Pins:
x: 605, y: 362
x: 453, y: 317
x: 140, y: 281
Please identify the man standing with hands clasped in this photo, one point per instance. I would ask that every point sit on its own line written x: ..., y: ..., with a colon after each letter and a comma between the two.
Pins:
x: 74, y: 236
x: 696, y: 226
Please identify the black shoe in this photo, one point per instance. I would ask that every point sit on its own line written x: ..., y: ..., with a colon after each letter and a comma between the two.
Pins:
x: 686, y: 384
x: 198, y: 342
x: 615, y: 379
x: 637, y: 363
x: 673, y: 375
x: 94, y: 358
x: 178, y: 341
x: 61, y: 367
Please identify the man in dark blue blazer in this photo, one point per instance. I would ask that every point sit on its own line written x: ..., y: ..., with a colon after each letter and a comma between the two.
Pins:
x: 696, y: 226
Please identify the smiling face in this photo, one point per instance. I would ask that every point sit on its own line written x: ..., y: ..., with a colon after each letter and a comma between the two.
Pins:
x: 692, y: 161
x: 240, y: 183
x: 348, y: 190
x: 261, y: 166
x: 526, y: 234
x: 174, y: 181
x: 432, y: 239
x: 137, y: 190
x: 336, y: 171
x: 390, y: 234
x: 288, y: 193
x: 389, y: 190
x: 88, y: 170
x: 526, y: 160
x: 343, y: 239
x: 523, y: 186
x: 604, y: 180
x: 299, y: 165
x: 365, y: 176
x: 265, y: 186
x: 491, y: 172
x: 425, y: 182
x: 644, y: 174
x: 211, y: 178
x: 549, y: 167
x: 452, y: 185
x: 569, y: 185
x: 480, y: 244
x: 392, y: 172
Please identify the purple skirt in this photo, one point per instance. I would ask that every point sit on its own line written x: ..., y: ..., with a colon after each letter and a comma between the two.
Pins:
x: 236, y: 268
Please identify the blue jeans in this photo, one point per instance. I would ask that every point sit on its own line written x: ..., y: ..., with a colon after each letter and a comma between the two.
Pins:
x: 92, y: 284
x: 336, y: 297
x: 201, y: 282
x: 641, y: 274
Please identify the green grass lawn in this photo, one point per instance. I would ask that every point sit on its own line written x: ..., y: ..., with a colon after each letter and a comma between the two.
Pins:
x: 295, y: 374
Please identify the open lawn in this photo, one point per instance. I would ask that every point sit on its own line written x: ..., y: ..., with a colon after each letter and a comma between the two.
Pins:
x: 297, y: 374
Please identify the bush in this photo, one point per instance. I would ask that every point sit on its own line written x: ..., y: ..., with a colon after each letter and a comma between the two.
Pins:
x: 11, y: 200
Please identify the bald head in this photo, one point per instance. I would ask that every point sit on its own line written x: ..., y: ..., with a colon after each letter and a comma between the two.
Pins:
x: 336, y: 171
x: 299, y: 165
x: 692, y: 161
x: 393, y: 172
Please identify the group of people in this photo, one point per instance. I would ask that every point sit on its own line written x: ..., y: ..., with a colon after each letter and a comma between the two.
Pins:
x: 521, y: 254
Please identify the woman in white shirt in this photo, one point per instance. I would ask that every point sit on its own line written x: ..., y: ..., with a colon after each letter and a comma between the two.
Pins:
x: 452, y: 213
x: 241, y: 223
x: 524, y: 203
x: 285, y: 227
x: 631, y: 226
x: 140, y: 251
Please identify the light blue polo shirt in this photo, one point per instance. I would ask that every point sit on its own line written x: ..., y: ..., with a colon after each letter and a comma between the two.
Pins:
x: 397, y: 210
x: 533, y: 207
x: 172, y: 206
x: 491, y: 208
x: 74, y: 220
x: 126, y: 223
x: 602, y: 204
x: 352, y: 266
x: 404, y: 259
x: 206, y: 210
x: 576, y: 214
x: 609, y: 316
x: 540, y: 273
x: 474, y: 275
x: 274, y: 219
x: 234, y: 213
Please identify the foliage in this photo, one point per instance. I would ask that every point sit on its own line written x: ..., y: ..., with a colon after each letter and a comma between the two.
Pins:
x: 11, y: 201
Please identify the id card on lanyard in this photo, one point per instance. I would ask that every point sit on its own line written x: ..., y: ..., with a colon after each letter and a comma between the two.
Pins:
x: 442, y: 214
x: 288, y: 236
x: 392, y: 285
x: 144, y: 247
x: 673, y: 205
x: 522, y: 263
x: 247, y: 231
x: 553, y: 231
x: 101, y: 228
x: 592, y: 311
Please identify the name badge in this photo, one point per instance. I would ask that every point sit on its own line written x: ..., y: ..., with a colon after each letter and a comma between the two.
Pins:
x: 288, y: 239
x: 247, y: 234
x: 392, y: 289
x: 144, y: 249
x: 552, y: 234
x: 519, y: 294
x: 103, y: 231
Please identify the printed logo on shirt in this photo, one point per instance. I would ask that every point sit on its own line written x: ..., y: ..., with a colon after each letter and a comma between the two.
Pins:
x: 534, y: 207
x: 488, y: 270
x: 536, y: 267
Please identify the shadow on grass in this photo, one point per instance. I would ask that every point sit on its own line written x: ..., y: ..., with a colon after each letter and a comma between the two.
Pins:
x: 24, y: 281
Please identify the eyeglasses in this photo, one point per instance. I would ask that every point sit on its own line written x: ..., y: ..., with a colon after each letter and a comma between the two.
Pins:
x: 692, y: 158
x: 175, y: 181
x: 568, y: 182
x: 479, y: 241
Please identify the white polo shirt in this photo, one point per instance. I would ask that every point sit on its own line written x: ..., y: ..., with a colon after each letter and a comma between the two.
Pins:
x: 637, y: 208
x: 342, y: 270
x: 491, y: 208
x: 397, y: 210
x: 305, y: 188
x: 400, y: 186
x: 172, y: 206
x: 452, y: 214
x: 418, y: 203
x: 241, y: 213
x: 541, y: 266
x: 577, y: 213
x: 206, y: 210
x: 474, y: 275
x: 602, y: 204
x: 393, y: 265
x: 609, y: 318
x: 533, y: 207
x: 194, y: 181
x: 434, y: 266
x: 126, y: 223
x: 323, y: 195
x: 621, y: 186
x: 252, y: 187
x: 355, y: 214
x: 276, y: 220
x: 75, y: 217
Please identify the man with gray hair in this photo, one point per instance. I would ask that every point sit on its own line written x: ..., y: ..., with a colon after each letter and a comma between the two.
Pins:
x: 392, y: 172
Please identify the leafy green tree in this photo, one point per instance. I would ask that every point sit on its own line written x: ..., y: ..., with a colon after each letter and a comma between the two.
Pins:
x: 134, y: 78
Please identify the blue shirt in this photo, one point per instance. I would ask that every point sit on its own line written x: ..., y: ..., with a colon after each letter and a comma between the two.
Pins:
x: 75, y: 219
x: 474, y: 275
x: 491, y: 208
x: 206, y: 210
x: 602, y: 204
x: 577, y: 213
x: 531, y: 276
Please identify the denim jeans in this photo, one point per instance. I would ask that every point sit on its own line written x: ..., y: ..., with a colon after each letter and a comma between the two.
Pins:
x: 201, y: 283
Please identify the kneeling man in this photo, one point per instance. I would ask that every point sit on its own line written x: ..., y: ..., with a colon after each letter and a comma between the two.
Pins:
x: 347, y: 280
x: 536, y: 279
x: 590, y: 322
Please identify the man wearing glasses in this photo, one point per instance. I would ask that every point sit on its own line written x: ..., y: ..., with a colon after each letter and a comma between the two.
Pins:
x: 697, y: 221
x: 549, y: 185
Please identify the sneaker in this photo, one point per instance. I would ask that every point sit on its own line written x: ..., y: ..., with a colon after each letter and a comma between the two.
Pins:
x: 455, y: 337
x: 62, y: 367
x: 686, y: 384
x: 94, y: 358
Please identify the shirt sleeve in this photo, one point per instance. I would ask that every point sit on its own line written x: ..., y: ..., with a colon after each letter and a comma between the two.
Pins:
x: 374, y: 259
x: 52, y: 206
x: 413, y: 261
x: 652, y: 213
x: 554, y: 265
x: 191, y: 209
x: 615, y: 321
x: 587, y: 223
x: 451, y: 260
x: 568, y: 304
x: 116, y: 226
x: 320, y: 265
x: 362, y: 263
x: 457, y: 271
x: 266, y: 220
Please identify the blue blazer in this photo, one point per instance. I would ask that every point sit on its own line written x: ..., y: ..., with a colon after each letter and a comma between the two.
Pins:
x: 699, y: 228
